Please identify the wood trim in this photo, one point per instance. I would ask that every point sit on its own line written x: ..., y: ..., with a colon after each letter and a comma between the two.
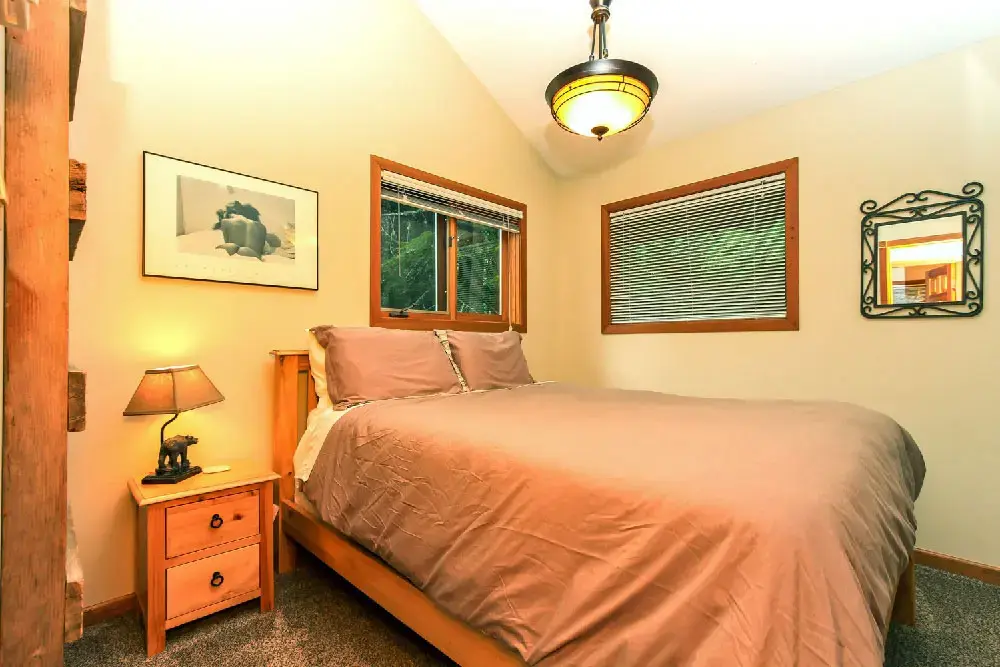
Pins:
x: 113, y: 608
x: 426, y: 321
x: 153, y: 534
x: 883, y: 272
x: 917, y: 240
x: 266, y: 568
x: 442, y: 227
x: 790, y: 322
x: 395, y: 594
x: 791, y: 169
x: 211, y: 609
x: 36, y: 120
x: 986, y: 573
x: 284, y: 439
x: 221, y: 484
x: 452, y: 274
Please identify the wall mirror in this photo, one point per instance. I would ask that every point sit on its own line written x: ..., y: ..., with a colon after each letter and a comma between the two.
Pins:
x: 922, y: 255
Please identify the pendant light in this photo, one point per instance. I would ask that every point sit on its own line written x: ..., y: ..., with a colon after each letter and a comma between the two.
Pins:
x: 602, y: 96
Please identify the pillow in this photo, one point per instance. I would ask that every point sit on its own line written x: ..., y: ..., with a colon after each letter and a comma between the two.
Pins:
x: 369, y: 364
x: 317, y: 368
x: 490, y: 360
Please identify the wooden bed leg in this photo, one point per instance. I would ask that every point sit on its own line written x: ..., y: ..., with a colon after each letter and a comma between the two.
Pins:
x: 904, y: 609
x: 288, y: 549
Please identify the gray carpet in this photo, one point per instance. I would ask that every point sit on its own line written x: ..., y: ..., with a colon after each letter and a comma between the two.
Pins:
x: 321, y: 621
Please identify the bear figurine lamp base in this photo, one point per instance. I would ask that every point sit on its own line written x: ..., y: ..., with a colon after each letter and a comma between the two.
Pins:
x: 172, y: 390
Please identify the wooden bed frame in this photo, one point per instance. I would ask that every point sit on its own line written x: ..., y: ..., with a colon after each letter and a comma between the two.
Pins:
x: 294, y: 397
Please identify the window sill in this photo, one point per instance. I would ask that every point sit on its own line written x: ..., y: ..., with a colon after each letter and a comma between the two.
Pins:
x: 428, y: 322
x: 703, y: 326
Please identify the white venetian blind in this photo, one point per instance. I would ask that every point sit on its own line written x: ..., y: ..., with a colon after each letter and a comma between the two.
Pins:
x: 713, y: 255
x: 413, y: 192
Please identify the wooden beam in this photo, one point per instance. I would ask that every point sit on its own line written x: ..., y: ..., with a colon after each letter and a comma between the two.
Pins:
x: 77, y: 203
x: 33, y: 566
x: 76, y: 398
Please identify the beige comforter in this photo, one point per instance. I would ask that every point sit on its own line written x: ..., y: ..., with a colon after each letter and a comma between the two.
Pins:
x: 605, y: 527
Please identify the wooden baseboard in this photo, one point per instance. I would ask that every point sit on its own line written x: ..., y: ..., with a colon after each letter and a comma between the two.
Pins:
x: 109, y: 609
x: 955, y: 565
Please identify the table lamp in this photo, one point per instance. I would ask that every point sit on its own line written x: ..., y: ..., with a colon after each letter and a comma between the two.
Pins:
x: 172, y: 390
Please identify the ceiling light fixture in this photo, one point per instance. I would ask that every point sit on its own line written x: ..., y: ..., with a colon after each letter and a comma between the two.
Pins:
x: 602, y: 96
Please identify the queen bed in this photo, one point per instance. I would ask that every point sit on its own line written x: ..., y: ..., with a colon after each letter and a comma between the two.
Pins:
x: 547, y: 524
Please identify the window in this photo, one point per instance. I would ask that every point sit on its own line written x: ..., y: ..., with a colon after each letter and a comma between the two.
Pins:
x: 444, y: 255
x: 719, y: 255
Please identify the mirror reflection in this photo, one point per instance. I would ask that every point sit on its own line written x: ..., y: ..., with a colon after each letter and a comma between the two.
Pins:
x: 921, y: 261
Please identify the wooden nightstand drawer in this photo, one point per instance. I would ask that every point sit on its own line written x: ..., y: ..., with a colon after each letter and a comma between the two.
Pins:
x: 210, y: 580
x: 208, y: 523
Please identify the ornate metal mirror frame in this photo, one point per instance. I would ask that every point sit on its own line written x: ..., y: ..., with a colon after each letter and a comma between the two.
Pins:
x: 923, y: 206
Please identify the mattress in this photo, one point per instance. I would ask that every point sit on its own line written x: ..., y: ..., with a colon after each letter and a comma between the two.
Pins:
x: 606, y: 527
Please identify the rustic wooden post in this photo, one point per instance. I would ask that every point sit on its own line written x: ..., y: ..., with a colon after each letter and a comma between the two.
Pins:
x: 33, y: 566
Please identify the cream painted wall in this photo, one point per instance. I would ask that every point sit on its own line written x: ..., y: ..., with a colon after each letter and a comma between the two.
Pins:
x: 285, y: 96
x: 932, y: 125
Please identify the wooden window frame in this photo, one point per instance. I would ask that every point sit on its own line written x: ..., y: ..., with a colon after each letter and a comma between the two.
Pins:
x: 514, y: 268
x: 790, y: 168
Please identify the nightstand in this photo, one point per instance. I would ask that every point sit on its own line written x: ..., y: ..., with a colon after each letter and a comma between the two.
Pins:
x: 203, y: 545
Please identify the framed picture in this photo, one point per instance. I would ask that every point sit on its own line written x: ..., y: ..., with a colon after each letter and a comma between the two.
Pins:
x: 202, y: 223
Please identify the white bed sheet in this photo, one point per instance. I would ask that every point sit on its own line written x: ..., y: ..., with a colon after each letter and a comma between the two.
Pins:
x: 321, y: 419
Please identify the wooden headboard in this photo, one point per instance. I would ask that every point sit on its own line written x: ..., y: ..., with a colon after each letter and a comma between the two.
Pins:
x: 294, y: 397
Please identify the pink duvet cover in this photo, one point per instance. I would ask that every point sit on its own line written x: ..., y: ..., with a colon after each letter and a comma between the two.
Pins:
x: 606, y: 527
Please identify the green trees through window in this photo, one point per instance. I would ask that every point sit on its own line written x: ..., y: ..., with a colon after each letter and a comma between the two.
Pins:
x: 410, y: 259
x: 415, y: 265
x: 478, y: 268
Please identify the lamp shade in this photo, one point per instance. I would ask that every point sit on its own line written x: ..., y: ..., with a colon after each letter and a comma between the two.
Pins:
x: 172, y: 389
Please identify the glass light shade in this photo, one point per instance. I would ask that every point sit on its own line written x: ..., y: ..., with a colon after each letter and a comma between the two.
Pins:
x: 601, y: 105
x: 601, y: 97
x: 171, y: 390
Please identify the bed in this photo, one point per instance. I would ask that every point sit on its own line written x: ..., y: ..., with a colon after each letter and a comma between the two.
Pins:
x: 764, y: 588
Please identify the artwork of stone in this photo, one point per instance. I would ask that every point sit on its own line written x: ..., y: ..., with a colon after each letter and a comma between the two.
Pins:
x: 244, y: 234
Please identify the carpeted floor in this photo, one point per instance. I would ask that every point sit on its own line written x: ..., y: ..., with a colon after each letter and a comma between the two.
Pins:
x: 321, y: 621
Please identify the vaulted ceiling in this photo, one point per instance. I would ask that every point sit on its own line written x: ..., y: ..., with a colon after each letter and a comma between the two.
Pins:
x: 716, y: 60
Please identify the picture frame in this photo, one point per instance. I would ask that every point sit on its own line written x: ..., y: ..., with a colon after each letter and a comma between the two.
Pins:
x: 209, y: 224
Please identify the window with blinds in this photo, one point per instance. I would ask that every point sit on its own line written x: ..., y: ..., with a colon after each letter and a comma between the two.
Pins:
x: 444, y: 255
x: 720, y: 255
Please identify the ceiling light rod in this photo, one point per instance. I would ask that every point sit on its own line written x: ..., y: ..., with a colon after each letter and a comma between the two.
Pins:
x: 601, y: 96
x: 599, y: 16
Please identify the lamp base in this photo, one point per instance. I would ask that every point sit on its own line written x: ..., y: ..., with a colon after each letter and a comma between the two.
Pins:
x: 170, y: 476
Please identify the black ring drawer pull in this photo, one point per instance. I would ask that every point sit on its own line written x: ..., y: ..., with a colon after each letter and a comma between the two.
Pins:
x: 216, y: 521
x: 217, y: 579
